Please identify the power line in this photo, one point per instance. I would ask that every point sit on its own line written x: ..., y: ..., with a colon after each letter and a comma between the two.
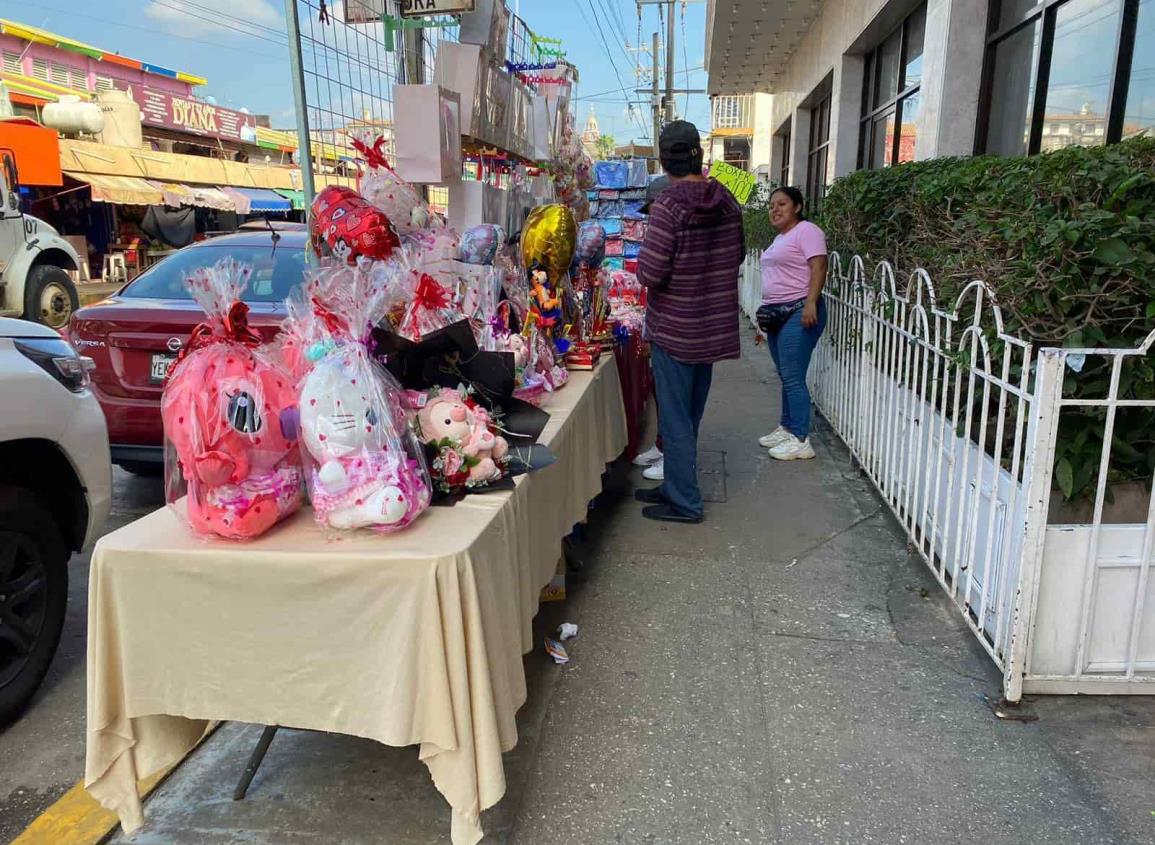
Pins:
x: 151, y: 31
x: 221, y: 24
x: 216, y: 12
x: 609, y: 55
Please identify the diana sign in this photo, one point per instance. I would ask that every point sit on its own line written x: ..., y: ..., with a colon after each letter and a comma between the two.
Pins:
x: 417, y: 8
x: 160, y: 108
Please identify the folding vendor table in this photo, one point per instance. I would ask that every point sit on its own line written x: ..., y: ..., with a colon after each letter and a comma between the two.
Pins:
x: 413, y: 638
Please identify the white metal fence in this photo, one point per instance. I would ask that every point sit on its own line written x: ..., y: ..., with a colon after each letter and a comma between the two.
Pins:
x: 956, y: 422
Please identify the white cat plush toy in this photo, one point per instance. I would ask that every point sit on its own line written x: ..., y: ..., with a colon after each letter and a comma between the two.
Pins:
x: 366, y: 470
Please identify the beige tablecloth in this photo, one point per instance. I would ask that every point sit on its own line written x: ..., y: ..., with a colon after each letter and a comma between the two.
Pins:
x: 411, y: 638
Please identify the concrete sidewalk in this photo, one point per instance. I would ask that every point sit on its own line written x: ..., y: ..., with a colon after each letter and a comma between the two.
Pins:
x: 786, y: 672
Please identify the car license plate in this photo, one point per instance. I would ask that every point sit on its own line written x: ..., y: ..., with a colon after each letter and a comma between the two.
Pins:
x: 160, y: 367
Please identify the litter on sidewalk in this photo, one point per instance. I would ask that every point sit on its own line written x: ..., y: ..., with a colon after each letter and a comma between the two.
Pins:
x: 556, y: 650
x: 567, y: 630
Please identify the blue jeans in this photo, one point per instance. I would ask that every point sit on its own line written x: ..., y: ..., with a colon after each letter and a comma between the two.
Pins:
x: 682, y: 390
x: 791, y: 348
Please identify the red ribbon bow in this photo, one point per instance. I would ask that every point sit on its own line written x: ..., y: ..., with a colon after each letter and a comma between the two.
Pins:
x: 429, y: 294
x: 234, y: 329
x: 333, y: 323
x: 375, y: 155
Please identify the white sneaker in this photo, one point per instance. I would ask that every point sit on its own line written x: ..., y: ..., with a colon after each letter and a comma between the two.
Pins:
x: 793, y: 449
x: 656, y: 471
x: 649, y: 457
x: 778, y: 435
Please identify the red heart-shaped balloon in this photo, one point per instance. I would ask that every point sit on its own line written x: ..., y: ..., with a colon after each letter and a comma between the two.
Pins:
x: 349, y: 226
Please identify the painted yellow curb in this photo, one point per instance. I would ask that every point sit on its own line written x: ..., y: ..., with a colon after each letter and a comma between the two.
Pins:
x: 78, y: 819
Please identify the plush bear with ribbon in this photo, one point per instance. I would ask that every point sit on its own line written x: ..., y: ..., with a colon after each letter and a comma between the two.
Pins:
x: 468, y: 450
x: 230, y: 419
x: 347, y: 226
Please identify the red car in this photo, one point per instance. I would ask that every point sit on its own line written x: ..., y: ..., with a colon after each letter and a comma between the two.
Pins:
x: 135, y: 335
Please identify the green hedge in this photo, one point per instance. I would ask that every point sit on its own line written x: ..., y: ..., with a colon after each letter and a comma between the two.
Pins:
x: 1066, y: 240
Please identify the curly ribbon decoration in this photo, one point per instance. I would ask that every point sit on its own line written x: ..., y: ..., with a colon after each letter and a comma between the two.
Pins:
x: 374, y: 155
x: 234, y: 328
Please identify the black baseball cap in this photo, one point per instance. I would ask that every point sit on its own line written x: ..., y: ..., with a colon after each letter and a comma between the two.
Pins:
x: 679, y: 141
x: 653, y: 190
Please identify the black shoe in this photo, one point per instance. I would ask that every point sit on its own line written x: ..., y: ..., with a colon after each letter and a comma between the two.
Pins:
x: 651, y: 496
x: 666, y: 513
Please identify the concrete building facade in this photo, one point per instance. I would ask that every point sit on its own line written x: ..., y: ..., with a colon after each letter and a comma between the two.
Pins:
x: 869, y: 83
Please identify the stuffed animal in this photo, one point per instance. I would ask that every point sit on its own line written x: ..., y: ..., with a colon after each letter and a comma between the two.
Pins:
x: 363, y: 476
x: 230, y: 419
x: 469, y: 452
x: 365, y: 468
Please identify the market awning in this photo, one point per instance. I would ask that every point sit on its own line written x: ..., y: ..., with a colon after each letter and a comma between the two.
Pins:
x: 297, y: 198
x: 124, y: 190
x: 255, y: 200
x: 178, y: 194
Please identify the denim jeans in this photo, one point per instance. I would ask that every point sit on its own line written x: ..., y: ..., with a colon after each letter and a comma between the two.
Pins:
x: 682, y: 390
x: 791, y: 348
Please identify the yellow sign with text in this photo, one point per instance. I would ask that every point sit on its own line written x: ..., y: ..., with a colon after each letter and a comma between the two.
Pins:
x: 738, y: 182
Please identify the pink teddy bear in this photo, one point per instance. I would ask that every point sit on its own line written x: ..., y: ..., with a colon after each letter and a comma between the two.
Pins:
x: 448, y: 421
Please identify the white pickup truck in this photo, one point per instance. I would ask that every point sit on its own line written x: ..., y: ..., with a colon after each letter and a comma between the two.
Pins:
x: 34, y: 260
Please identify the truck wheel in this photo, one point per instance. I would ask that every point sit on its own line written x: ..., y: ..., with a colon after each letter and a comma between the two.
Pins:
x: 33, y: 597
x: 50, y: 297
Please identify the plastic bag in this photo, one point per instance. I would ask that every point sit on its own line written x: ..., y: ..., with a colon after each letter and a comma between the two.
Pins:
x: 230, y: 419
x: 384, y: 189
x: 364, y: 466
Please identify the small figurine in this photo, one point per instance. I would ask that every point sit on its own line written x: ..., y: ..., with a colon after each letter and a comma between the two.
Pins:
x: 543, y: 301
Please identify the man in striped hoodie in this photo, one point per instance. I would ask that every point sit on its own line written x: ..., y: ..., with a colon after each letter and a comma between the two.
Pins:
x: 690, y: 261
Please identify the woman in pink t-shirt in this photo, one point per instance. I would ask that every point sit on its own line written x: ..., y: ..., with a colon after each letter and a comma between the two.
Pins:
x: 792, y: 316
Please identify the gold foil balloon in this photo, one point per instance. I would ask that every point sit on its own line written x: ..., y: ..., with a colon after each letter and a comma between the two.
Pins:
x: 548, y: 240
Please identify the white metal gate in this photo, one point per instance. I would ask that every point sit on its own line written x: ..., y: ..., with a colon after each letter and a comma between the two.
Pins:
x: 955, y: 421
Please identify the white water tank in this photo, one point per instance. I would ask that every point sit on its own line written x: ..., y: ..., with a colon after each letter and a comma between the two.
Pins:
x: 73, y: 116
x: 121, y: 119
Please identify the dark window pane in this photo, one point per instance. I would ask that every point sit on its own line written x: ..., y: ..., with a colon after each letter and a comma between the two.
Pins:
x: 882, y: 141
x: 863, y: 144
x: 886, y: 80
x: 867, y: 84
x: 1013, y: 10
x: 1012, y: 89
x: 908, y: 135
x: 825, y: 136
x: 912, y: 49
x: 1082, y: 63
x: 1139, y: 118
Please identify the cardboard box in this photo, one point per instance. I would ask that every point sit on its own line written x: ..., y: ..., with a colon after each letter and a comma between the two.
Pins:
x: 427, y: 133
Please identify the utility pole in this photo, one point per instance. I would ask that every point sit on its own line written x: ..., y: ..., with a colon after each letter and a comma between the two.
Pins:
x: 654, y: 108
x: 670, y: 63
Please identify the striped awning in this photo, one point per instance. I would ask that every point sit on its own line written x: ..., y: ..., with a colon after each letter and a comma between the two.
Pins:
x: 256, y: 200
x: 297, y: 198
x: 123, y: 190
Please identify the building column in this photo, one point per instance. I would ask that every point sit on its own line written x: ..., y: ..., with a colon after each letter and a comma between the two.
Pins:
x: 845, y: 113
x: 799, y: 147
x: 955, y: 47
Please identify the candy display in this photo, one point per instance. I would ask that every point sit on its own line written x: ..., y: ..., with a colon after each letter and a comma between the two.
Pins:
x: 230, y: 419
x: 366, y: 468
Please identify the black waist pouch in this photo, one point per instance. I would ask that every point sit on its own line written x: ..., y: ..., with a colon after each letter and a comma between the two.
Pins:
x: 772, y: 316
